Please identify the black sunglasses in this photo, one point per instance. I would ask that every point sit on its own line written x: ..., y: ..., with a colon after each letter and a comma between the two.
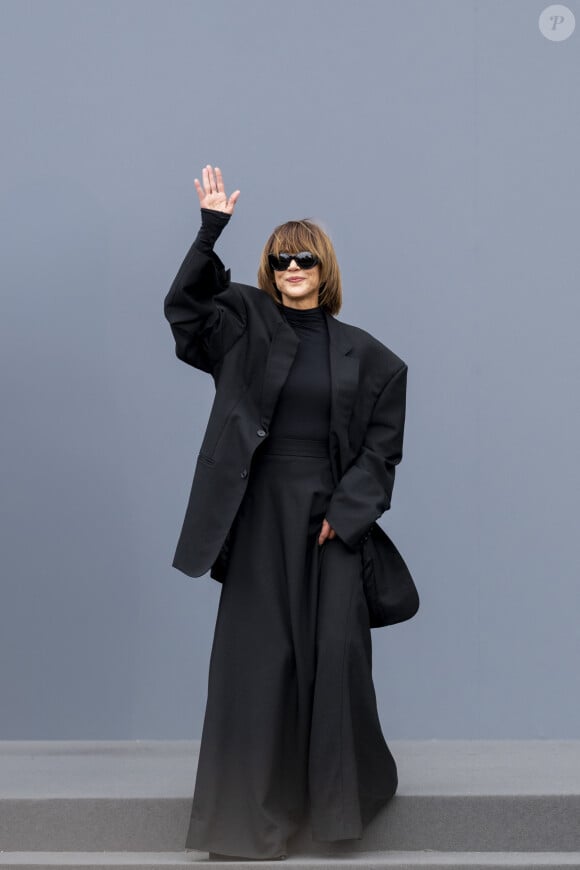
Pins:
x: 304, y: 260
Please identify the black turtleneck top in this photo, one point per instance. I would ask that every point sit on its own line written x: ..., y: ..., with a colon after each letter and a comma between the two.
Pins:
x: 303, y: 406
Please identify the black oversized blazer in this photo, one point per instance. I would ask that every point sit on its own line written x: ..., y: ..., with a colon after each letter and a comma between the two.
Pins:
x: 237, y: 333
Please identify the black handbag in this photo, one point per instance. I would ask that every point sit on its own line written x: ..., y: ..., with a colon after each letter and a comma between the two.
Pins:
x: 389, y: 588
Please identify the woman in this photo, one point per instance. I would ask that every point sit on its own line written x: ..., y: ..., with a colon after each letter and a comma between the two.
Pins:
x: 315, y: 407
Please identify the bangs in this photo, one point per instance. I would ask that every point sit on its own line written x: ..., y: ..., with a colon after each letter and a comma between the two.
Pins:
x: 293, y: 237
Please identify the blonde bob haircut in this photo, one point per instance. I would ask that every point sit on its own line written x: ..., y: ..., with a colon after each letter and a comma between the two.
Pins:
x: 303, y: 235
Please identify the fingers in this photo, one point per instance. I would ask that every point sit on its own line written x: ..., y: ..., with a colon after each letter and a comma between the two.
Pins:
x: 212, y: 180
x: 209, y: 182
x: 326, y: 533
x: 233, y: 199
x: 199, y: 188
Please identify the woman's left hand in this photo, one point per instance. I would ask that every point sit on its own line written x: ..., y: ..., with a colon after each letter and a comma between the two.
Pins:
x: 327, y: 532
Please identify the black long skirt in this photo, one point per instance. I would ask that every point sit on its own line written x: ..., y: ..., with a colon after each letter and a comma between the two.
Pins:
x: 291, y: 734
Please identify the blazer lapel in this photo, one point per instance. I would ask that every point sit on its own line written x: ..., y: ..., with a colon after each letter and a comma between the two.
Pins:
x: 281, y: 355
x: 344, y: 382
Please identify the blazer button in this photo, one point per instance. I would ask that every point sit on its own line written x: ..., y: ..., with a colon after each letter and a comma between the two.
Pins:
x: 244, y: 472
x: 261, y: 432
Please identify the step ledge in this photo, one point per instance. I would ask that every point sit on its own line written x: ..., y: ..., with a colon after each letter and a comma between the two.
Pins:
x: 157, y: 769
x: 397, y: 859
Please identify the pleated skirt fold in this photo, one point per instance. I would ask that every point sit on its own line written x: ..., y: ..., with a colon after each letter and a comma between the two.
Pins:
x: 291, y: 734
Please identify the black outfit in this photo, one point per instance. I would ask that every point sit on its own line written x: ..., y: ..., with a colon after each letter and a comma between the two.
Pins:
x: 291, y: 733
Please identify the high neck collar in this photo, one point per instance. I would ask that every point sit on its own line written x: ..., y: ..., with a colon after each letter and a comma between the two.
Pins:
x: 302, y: 313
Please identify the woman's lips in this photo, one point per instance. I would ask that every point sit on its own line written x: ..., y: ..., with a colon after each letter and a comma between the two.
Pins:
x: 294, y: 280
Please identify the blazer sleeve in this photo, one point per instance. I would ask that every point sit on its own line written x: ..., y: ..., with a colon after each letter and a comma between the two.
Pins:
x: 364, y: 491
x: 206, y: 313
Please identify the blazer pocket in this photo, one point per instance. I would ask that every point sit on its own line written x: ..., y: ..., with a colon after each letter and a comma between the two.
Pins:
x: 208, y: 447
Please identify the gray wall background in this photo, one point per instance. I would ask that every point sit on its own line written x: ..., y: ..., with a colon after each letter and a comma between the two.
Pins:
x: 438, y: 144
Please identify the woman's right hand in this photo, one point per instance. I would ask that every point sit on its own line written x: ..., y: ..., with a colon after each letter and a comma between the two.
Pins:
x: 212, y: 194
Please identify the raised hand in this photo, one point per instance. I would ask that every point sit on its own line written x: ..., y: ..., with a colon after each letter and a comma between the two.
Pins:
x: 212, y: 194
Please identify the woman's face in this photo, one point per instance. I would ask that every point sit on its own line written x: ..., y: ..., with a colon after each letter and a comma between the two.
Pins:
x: 299, y: 287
